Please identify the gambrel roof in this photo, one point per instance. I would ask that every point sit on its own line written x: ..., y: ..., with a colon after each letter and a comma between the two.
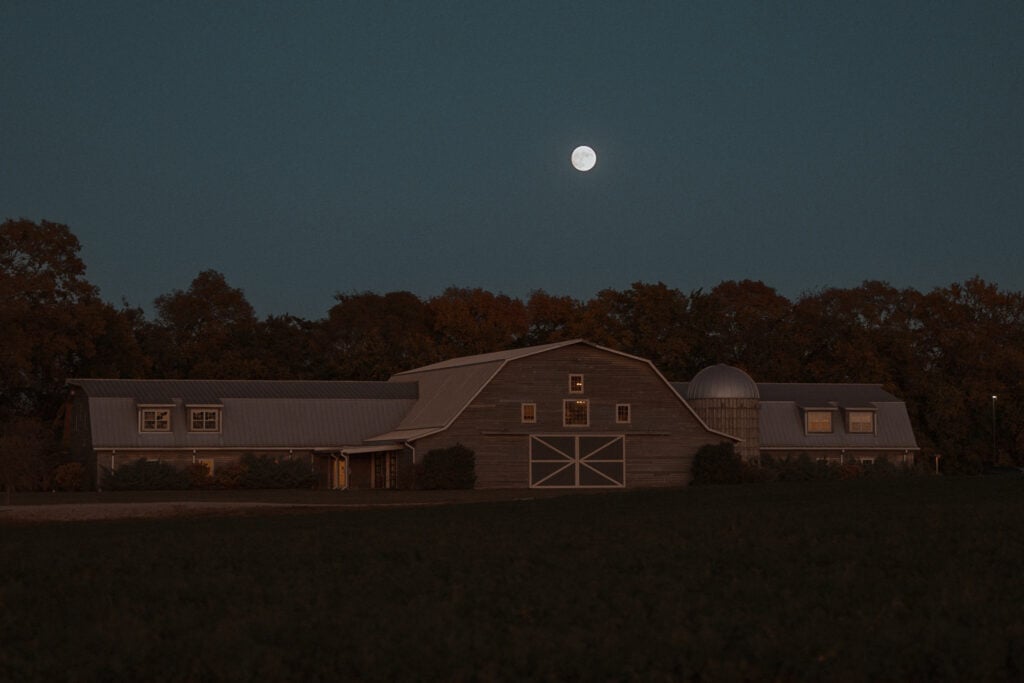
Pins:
x: 448, y: 387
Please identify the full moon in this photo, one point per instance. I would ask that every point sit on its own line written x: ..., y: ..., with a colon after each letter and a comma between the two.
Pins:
x: 583, y: 158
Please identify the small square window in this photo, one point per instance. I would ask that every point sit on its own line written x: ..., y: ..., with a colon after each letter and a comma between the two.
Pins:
x: 529, y: 413
x: 622, y: 413
x: 204, y: 420
x: 155, y: 420
x: 576, y: 412
x: 575, y: 384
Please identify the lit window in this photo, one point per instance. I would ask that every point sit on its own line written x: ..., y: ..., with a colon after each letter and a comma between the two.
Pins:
x: 204, y: 420
x: 155, y: 420
x: 209, y: 463
x: 529, y: 413
x: 622, y: 413
x: 819, y: 421
x: 575, y: 384
x: 860, y: 422
x: 577, y: 412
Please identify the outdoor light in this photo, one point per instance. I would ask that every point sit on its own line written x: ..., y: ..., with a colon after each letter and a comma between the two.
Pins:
x: 994, y: 397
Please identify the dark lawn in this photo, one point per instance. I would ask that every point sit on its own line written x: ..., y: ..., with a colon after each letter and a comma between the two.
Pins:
x: 904, y: 579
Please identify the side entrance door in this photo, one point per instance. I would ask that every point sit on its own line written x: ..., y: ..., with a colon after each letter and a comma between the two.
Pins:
x: 560, y: 461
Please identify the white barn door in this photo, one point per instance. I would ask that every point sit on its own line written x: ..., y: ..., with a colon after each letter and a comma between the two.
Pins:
x: 560, y: 461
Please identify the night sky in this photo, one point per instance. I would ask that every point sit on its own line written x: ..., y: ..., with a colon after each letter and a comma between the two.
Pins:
x: 305, y: 149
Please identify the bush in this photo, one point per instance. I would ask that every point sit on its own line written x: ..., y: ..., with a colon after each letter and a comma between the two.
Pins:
x: 143, y: 475
x: 264, y: 472
x: 69, y: 477
x: 717, y: 464
x: 447, y: 468
x: 199, y: 476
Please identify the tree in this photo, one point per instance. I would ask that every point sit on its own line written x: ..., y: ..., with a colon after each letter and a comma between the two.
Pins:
x: 745, y: 324
x: 472, y: 321
x: 24, y: 443
x: 551, y: 318
x: 371, y: 336
x: 50, y: 315
x: 285, y: 348
x: 648, y: 320
x: 207, y: 331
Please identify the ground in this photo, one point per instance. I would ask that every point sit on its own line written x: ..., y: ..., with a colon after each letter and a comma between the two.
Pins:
x: 67, y: 507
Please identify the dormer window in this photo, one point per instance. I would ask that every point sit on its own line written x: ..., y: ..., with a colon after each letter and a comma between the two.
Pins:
x: 575, y: 384
x: 818, y: 421
x: 204, y: 419
x: 860, y: 421
x: 154, y: 419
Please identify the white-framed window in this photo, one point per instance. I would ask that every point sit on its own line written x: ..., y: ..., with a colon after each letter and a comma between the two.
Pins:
x: 575, y: 384
x: 818, y: 421
x: 204, y: 419
x: 860, y: 422
x: 623, y: 414
x: 154, y: 419
x: 867, y: 461
x: 528, y: 413
x: 576, y: 412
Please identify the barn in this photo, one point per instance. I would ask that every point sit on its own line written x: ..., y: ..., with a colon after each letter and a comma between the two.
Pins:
x: 564, y: 415
x: 570, y: 414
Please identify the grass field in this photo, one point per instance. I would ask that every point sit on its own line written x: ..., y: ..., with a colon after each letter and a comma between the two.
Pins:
x: 909, y: 579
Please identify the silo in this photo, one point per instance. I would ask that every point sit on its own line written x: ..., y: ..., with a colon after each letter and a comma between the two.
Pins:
x: 727, y: 399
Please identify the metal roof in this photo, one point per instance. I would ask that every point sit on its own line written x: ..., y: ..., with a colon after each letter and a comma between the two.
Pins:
x: 496, y: 356
x: 252, y: 423
x: 199, y: 391
x: 782, y: 427
x: 845, y: 395
x: 781, y: 419
x: 721, y: 381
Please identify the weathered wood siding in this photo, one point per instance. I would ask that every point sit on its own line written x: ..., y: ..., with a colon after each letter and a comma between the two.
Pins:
x: 660, y: 439
x: 735, y: 416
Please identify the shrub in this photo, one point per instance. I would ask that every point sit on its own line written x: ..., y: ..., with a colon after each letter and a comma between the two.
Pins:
x: 229, y: 476
x: 447, y: 468
x: 881, y: 468
x: 69, y: 477
x: 143, y: 475
x: 199, y: 476
x: 717, y: 464
x: 264, y: 472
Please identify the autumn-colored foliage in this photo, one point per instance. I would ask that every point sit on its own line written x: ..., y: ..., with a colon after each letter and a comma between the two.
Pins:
x: 945, y: 352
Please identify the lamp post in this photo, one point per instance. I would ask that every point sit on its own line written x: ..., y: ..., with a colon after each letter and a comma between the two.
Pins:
x: 994, y: 397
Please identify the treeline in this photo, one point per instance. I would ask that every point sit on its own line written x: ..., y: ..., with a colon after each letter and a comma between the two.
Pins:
x: 946, y: 352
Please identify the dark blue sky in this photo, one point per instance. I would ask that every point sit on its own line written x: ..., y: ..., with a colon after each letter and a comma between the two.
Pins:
x: 305, y: 149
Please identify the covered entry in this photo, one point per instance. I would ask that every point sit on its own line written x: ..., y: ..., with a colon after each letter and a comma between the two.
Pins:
x: 561, y: 461
x: 360, y: 467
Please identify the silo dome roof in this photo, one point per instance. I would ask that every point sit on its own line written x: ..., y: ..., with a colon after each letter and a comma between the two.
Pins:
x: 721, y: 381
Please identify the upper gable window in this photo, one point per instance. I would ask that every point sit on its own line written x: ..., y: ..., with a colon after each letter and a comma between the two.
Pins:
x: 860, y: 422
x: 575, y: 384
x: 818, y: 421
x: 622, y: 413
x: 204, y: 419
x: 528, y: 413
x: 154, y: 419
